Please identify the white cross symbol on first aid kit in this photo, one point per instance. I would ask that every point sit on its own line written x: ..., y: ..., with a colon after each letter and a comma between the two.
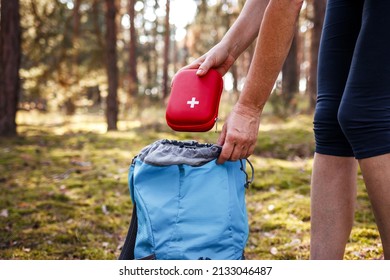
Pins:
x: 193, y: 102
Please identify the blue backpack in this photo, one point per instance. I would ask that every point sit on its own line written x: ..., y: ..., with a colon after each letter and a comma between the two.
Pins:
x: 185, y: 205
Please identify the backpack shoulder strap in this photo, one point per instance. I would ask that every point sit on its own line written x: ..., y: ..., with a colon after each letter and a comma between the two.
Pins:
x: 127, y: 252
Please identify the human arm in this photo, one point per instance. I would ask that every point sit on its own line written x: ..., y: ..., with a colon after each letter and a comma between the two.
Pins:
x: 236, y: 40
x: 239, y: 134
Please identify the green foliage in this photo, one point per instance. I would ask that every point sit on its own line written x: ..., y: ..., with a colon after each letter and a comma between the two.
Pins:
x: 60, y: 63
x: 286, y: 139
x: 211, y: 23
x: 63, y: 52
x: 63, y: 58
x: 64, y: 191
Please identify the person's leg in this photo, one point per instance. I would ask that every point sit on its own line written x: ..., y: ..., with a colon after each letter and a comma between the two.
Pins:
x: 364, y: 113
x: 376, y: 173
x: 333, y: 185
x: 332, y: 205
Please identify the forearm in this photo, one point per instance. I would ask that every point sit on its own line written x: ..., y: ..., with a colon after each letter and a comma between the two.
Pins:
x: 245, y: 29
x: 273, y: 43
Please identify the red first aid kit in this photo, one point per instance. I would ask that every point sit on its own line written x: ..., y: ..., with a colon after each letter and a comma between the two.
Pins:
x: 194, y: 101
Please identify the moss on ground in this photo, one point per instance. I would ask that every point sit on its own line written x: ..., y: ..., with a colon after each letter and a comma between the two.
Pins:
x: 64, y: 191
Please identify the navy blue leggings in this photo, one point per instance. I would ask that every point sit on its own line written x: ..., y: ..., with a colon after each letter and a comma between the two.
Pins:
x: 352, y: 115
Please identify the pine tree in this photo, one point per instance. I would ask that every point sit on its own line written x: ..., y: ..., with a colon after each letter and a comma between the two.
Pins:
x: 9, y: 66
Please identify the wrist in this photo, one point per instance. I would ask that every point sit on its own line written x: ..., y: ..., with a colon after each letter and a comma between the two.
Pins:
x: 230, y: 46
x: 250, y: 109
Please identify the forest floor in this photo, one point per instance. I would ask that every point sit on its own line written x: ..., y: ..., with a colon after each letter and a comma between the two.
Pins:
x: 64, y: 191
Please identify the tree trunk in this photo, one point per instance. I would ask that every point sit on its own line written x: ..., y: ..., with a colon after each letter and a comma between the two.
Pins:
x: 75, y: 39
x: 10, y: 53
x: 318, y: 20
x: 73, y: 75
x: 166, y: 50
x: 153, y: 55
x: 96, y: 24
x: 133, y: 79
x: 290, y: 76
x: 111, y: 65
x: 175, y: 53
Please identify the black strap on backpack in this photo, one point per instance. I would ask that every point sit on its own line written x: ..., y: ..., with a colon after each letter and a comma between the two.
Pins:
x: 127, y: 252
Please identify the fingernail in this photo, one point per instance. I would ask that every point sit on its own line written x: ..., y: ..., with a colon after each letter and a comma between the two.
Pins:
x: 199, y: 72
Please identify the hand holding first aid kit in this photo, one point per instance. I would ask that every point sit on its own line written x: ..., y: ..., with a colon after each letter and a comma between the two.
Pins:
x: 194, y: 101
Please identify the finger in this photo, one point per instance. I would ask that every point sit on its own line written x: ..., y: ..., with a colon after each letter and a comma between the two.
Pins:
x: 236, y: 154
x: 205, y: 66
x: 193, y: 65
x: 222, y: 136
x: 227, y: 150
x: 244, y: 152
x: 251, y: 150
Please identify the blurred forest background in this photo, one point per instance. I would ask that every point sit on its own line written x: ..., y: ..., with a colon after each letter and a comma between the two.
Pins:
x: 69, y: 56
x: 83, y: 87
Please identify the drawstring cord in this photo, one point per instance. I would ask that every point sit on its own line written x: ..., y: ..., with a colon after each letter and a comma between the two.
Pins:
x: 247, y: 181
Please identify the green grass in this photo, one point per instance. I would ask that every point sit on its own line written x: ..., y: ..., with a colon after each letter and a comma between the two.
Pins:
x: 64, y: 188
